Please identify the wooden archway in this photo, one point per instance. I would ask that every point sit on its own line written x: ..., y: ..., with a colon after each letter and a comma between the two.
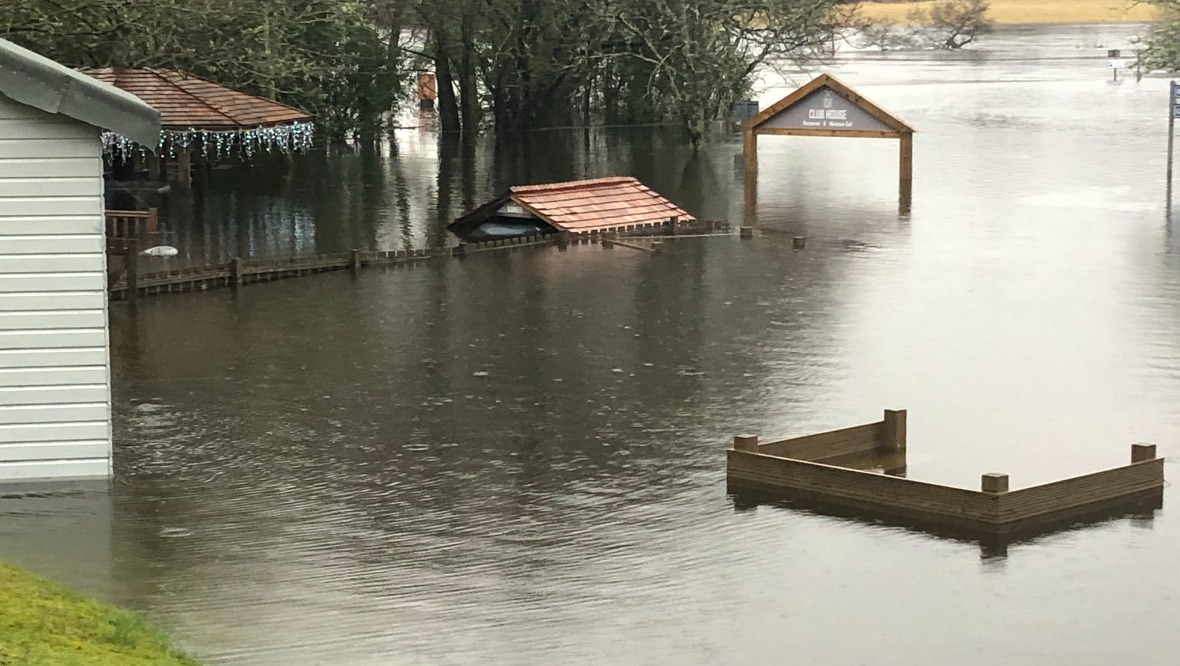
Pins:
x: 826, y: 107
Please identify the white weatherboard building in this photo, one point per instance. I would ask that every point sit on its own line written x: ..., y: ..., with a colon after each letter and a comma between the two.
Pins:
x: 55, y: 386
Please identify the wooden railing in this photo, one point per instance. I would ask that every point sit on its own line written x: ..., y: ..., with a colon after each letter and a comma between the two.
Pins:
x: 139, y: 224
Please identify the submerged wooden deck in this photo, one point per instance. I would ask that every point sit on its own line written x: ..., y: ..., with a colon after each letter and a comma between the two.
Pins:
x: 812, y: 470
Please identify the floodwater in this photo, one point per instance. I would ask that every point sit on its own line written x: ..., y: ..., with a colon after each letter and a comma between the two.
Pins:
x: 518, y: 458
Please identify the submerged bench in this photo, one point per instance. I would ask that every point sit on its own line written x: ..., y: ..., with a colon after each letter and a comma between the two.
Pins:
x: 815, y: 468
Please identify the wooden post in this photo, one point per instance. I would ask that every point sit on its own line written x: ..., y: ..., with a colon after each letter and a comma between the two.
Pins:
x: 184, y: 169
x: 994, y: 484
x: 894, y: 435
x: 354, y: 261
x: 906, y: 176
x: 131, y: 261
x: 746, y: 232
x: 1172, y: 90
x: 153, y: 166
x: 750, y: 153
x: 1142, y: 452
x: 672, y: 222
x: 235, y: 272
x: 746, y: 443
x: 799, y: 242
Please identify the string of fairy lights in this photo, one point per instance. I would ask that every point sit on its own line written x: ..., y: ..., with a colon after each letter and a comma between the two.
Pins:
x: 214, y: 144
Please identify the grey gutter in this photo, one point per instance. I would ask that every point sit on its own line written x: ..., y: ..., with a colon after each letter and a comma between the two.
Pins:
x: 39, y: 82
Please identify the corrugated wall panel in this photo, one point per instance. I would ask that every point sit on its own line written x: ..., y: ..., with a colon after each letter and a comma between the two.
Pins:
x: 54, y: 369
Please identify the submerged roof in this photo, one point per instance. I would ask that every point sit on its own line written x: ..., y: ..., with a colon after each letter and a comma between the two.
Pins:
x: 189, y: 102
x: 37, y: 81
x: 583, y: 206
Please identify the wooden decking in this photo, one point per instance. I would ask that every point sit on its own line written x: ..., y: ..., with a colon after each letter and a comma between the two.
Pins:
x: 808, y: 469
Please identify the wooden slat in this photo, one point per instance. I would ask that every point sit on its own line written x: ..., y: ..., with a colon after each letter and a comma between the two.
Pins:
x: 851, y: 134
x: 857, y: 439
x: 863, y: 490
x: 1078, y: 491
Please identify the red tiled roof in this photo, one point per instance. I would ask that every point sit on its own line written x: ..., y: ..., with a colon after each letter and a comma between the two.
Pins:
x: 188, y: 102
x: 583, y: 206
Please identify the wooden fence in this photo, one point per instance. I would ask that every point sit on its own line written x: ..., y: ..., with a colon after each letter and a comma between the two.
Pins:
x: 129, y: 231
x: 801, y: 468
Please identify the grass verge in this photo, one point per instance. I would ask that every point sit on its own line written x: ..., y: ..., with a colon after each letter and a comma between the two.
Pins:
x: 45, y: 624
x: 1025, y: 12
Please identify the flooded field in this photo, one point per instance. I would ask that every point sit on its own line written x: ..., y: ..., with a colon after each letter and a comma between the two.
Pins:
x: 518, y: 458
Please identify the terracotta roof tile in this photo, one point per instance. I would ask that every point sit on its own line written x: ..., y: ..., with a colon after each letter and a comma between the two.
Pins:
x: 596, y: 205
x: 188, y: 102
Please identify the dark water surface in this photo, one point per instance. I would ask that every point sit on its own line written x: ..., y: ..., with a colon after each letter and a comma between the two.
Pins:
x: 319, y: 471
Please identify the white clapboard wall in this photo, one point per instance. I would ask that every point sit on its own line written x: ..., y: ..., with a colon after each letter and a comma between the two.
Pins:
x: 55, y: 405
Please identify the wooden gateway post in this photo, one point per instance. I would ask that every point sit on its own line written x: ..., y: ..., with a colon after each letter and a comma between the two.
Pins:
x: 826, y: 107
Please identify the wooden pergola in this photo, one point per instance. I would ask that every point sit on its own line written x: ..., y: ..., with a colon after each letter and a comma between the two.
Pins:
x: 825, y: 107
x: 204, y: 117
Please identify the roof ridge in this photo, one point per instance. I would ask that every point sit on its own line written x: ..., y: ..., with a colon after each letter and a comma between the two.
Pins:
x: 166, y: 75
x: 571, y: 184
x: 235, y: 91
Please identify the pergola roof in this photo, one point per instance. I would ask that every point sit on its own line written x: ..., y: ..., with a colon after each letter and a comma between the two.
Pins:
x: 187, y: 102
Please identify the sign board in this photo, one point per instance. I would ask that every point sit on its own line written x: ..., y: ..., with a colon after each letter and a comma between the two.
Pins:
x: 1117, y: 64
x: 825, y: 109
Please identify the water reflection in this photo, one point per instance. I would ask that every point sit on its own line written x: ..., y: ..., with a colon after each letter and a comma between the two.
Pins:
x: 519, y: 457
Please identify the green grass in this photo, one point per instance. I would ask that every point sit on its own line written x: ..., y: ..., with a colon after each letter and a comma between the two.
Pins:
x: 45, y: 624
x: 1025, y: 12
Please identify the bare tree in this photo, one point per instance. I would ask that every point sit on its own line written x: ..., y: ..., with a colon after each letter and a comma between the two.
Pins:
x: 951, y: 24
x: 957, y: 23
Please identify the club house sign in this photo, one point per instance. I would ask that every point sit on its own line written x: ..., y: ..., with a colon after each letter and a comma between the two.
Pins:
x: 828, y: 116
x: 826, y: 107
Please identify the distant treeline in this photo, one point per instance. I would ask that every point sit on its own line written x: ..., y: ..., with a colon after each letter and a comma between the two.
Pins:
x: 517, y: 63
